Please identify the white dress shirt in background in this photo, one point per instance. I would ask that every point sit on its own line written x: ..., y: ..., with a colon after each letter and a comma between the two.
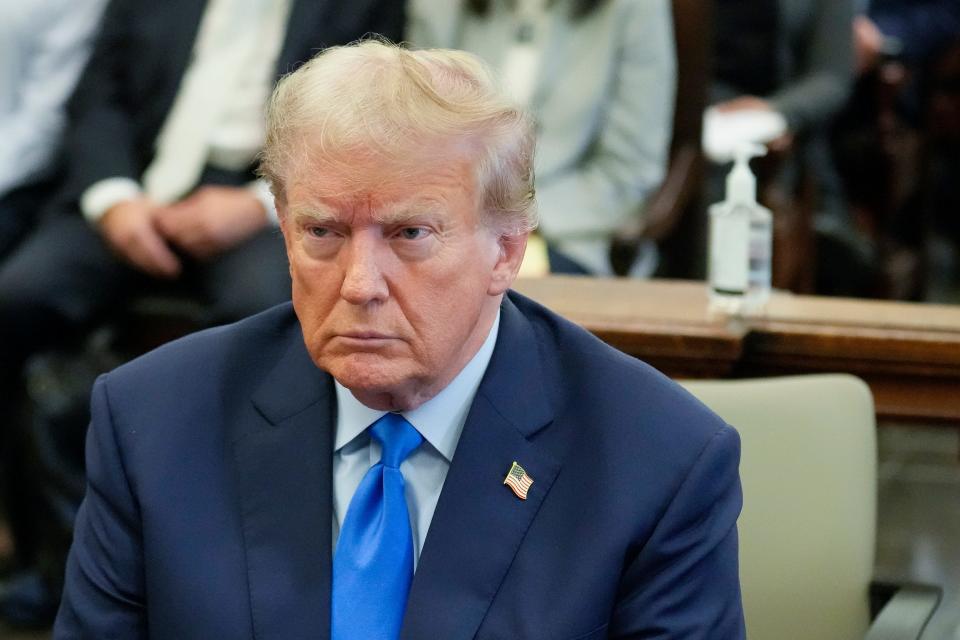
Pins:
x: 243, y: 39
x: 439, y: 420
x: 44, y: 45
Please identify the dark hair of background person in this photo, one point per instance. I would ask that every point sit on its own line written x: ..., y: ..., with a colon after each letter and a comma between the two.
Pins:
x: 579, y: 9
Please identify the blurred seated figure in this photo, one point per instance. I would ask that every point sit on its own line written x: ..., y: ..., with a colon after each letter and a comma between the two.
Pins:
x: 164, y: 128
x: 890, y: 143
x: 43, y: 47
x: 599, y: 77
x: 944, y: 166
x: 911, y: 30
x: 896, y: 44
x: 793, y: 58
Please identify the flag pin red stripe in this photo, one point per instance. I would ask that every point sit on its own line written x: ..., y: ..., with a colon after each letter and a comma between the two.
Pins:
x: 518, y: 480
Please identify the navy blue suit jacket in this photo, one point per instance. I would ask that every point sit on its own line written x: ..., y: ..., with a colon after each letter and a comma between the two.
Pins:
x: 208, y: 511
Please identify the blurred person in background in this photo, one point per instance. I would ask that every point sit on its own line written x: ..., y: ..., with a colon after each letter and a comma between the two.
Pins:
x: 599, y: 77
x: 164, y: 128
x: 43, y: 47
x: 795, y: 58
x: 911, y: 30
x: 895, y: 142
x: 791, y: 56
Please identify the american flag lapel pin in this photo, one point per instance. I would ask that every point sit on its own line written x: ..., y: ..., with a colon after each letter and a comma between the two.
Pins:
x: 518, y: 480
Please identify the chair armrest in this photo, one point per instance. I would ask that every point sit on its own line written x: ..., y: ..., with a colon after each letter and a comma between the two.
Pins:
x: 904, y: 615
x: 662, y: 211
x: 680, y: 186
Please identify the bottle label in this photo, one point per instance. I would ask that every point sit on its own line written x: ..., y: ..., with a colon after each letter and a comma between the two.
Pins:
x: 729, y: 254
x: 760, y: 250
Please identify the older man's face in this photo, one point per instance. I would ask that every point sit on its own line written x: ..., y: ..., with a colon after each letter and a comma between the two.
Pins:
x: 395, y: 285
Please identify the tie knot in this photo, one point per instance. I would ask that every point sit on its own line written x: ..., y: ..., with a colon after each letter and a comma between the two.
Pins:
x: 397, y: 437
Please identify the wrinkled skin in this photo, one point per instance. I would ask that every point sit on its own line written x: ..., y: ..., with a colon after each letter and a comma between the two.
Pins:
x: 396, y: 283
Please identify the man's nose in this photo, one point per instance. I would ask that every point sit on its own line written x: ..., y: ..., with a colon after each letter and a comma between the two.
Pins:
x: 363, y: 279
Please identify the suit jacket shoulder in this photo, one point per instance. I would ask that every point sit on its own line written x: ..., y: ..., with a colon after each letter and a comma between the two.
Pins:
x: 204, y: 367
x: 628, y: 529
x: 205, y: 459
x: 582, y: 374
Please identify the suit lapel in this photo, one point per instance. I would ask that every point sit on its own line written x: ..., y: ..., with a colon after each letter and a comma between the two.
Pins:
x: 479, y: 524
x: 181, y: 19
x: 316, y: 24
x: 283, y: 456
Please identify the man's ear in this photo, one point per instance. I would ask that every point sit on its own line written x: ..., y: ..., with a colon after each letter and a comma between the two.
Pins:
x: 512, y: 248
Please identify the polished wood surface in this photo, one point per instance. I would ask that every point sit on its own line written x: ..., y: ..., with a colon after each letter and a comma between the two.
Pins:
x: 908, y: 353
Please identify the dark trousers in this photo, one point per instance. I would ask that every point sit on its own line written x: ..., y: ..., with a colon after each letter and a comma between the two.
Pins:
x: 18, y: 211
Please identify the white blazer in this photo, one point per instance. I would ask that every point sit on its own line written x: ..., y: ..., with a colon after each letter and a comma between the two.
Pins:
x: 603, y: 105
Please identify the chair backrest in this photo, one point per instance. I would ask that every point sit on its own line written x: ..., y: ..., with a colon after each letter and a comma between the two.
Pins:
x: 808, y: 527
x: 692, y: 29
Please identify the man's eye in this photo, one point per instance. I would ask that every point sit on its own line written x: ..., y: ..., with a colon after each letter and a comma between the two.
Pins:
x: 318, y: 232
x: 412, y: 233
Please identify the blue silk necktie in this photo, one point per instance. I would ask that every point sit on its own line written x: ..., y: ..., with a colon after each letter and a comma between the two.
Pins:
x: 373, y: 563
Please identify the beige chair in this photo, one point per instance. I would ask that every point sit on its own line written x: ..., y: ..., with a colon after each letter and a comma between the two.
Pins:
x: 808, y: 527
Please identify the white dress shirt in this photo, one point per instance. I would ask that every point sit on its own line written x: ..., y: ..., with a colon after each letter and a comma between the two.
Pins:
x: 239, y: 131
x: 439, y: 420
x: 44, y: 45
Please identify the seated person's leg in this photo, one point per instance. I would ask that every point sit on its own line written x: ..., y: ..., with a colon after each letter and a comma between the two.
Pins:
x: 57, y: 282
x: 17, y: 211
x: 247, y: 279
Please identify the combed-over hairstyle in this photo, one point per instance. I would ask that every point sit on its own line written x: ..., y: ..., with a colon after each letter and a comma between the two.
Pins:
x: 406, y: 110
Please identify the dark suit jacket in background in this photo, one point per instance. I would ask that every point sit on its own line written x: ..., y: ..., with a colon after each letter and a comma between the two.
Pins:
x: 208, y: 512
x: 128, y: 88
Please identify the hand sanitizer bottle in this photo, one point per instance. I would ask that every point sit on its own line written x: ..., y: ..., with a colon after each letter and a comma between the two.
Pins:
x: 740, y: 242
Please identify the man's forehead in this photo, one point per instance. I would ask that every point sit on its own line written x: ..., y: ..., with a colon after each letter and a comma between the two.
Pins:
x: 386, y: 190
x: 378, y: 206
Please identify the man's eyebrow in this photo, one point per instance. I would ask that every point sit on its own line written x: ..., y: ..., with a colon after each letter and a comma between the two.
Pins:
x: 409, y: 212
x: 313, y: 213
x: 402, y: 213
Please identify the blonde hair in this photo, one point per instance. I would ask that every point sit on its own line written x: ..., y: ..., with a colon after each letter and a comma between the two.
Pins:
x: 376, y: 101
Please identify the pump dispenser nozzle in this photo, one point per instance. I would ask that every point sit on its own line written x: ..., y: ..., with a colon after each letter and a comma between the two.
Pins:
x: 741, y: 183
x: 741, y: 241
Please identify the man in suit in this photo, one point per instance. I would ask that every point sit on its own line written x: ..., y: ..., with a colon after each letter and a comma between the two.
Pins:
x: 163, y: 131
x: 409, y: 449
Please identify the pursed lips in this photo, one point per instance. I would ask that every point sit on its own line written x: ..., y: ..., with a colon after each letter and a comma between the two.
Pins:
x: 362, y: 340
x: 365, y: 335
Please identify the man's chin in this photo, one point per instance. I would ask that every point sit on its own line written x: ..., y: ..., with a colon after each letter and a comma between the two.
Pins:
x: 369, y: 374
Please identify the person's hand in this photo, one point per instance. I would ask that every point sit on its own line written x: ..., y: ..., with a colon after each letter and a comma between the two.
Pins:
x: 212, y: 220
x: 128, y: 227
x: 867, y: 44
x: 780, y: 144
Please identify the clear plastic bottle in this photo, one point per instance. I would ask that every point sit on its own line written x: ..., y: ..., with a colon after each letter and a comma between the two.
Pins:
x: 729, y: 246
x: 740, y: 242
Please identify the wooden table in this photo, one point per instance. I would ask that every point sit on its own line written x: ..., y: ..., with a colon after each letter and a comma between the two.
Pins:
x: 908, y: 353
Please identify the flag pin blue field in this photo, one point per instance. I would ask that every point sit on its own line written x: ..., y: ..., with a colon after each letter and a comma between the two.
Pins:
x: 518, y: 480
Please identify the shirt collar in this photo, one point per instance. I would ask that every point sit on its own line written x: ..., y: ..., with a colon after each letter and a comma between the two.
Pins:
x: 439, y: 420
